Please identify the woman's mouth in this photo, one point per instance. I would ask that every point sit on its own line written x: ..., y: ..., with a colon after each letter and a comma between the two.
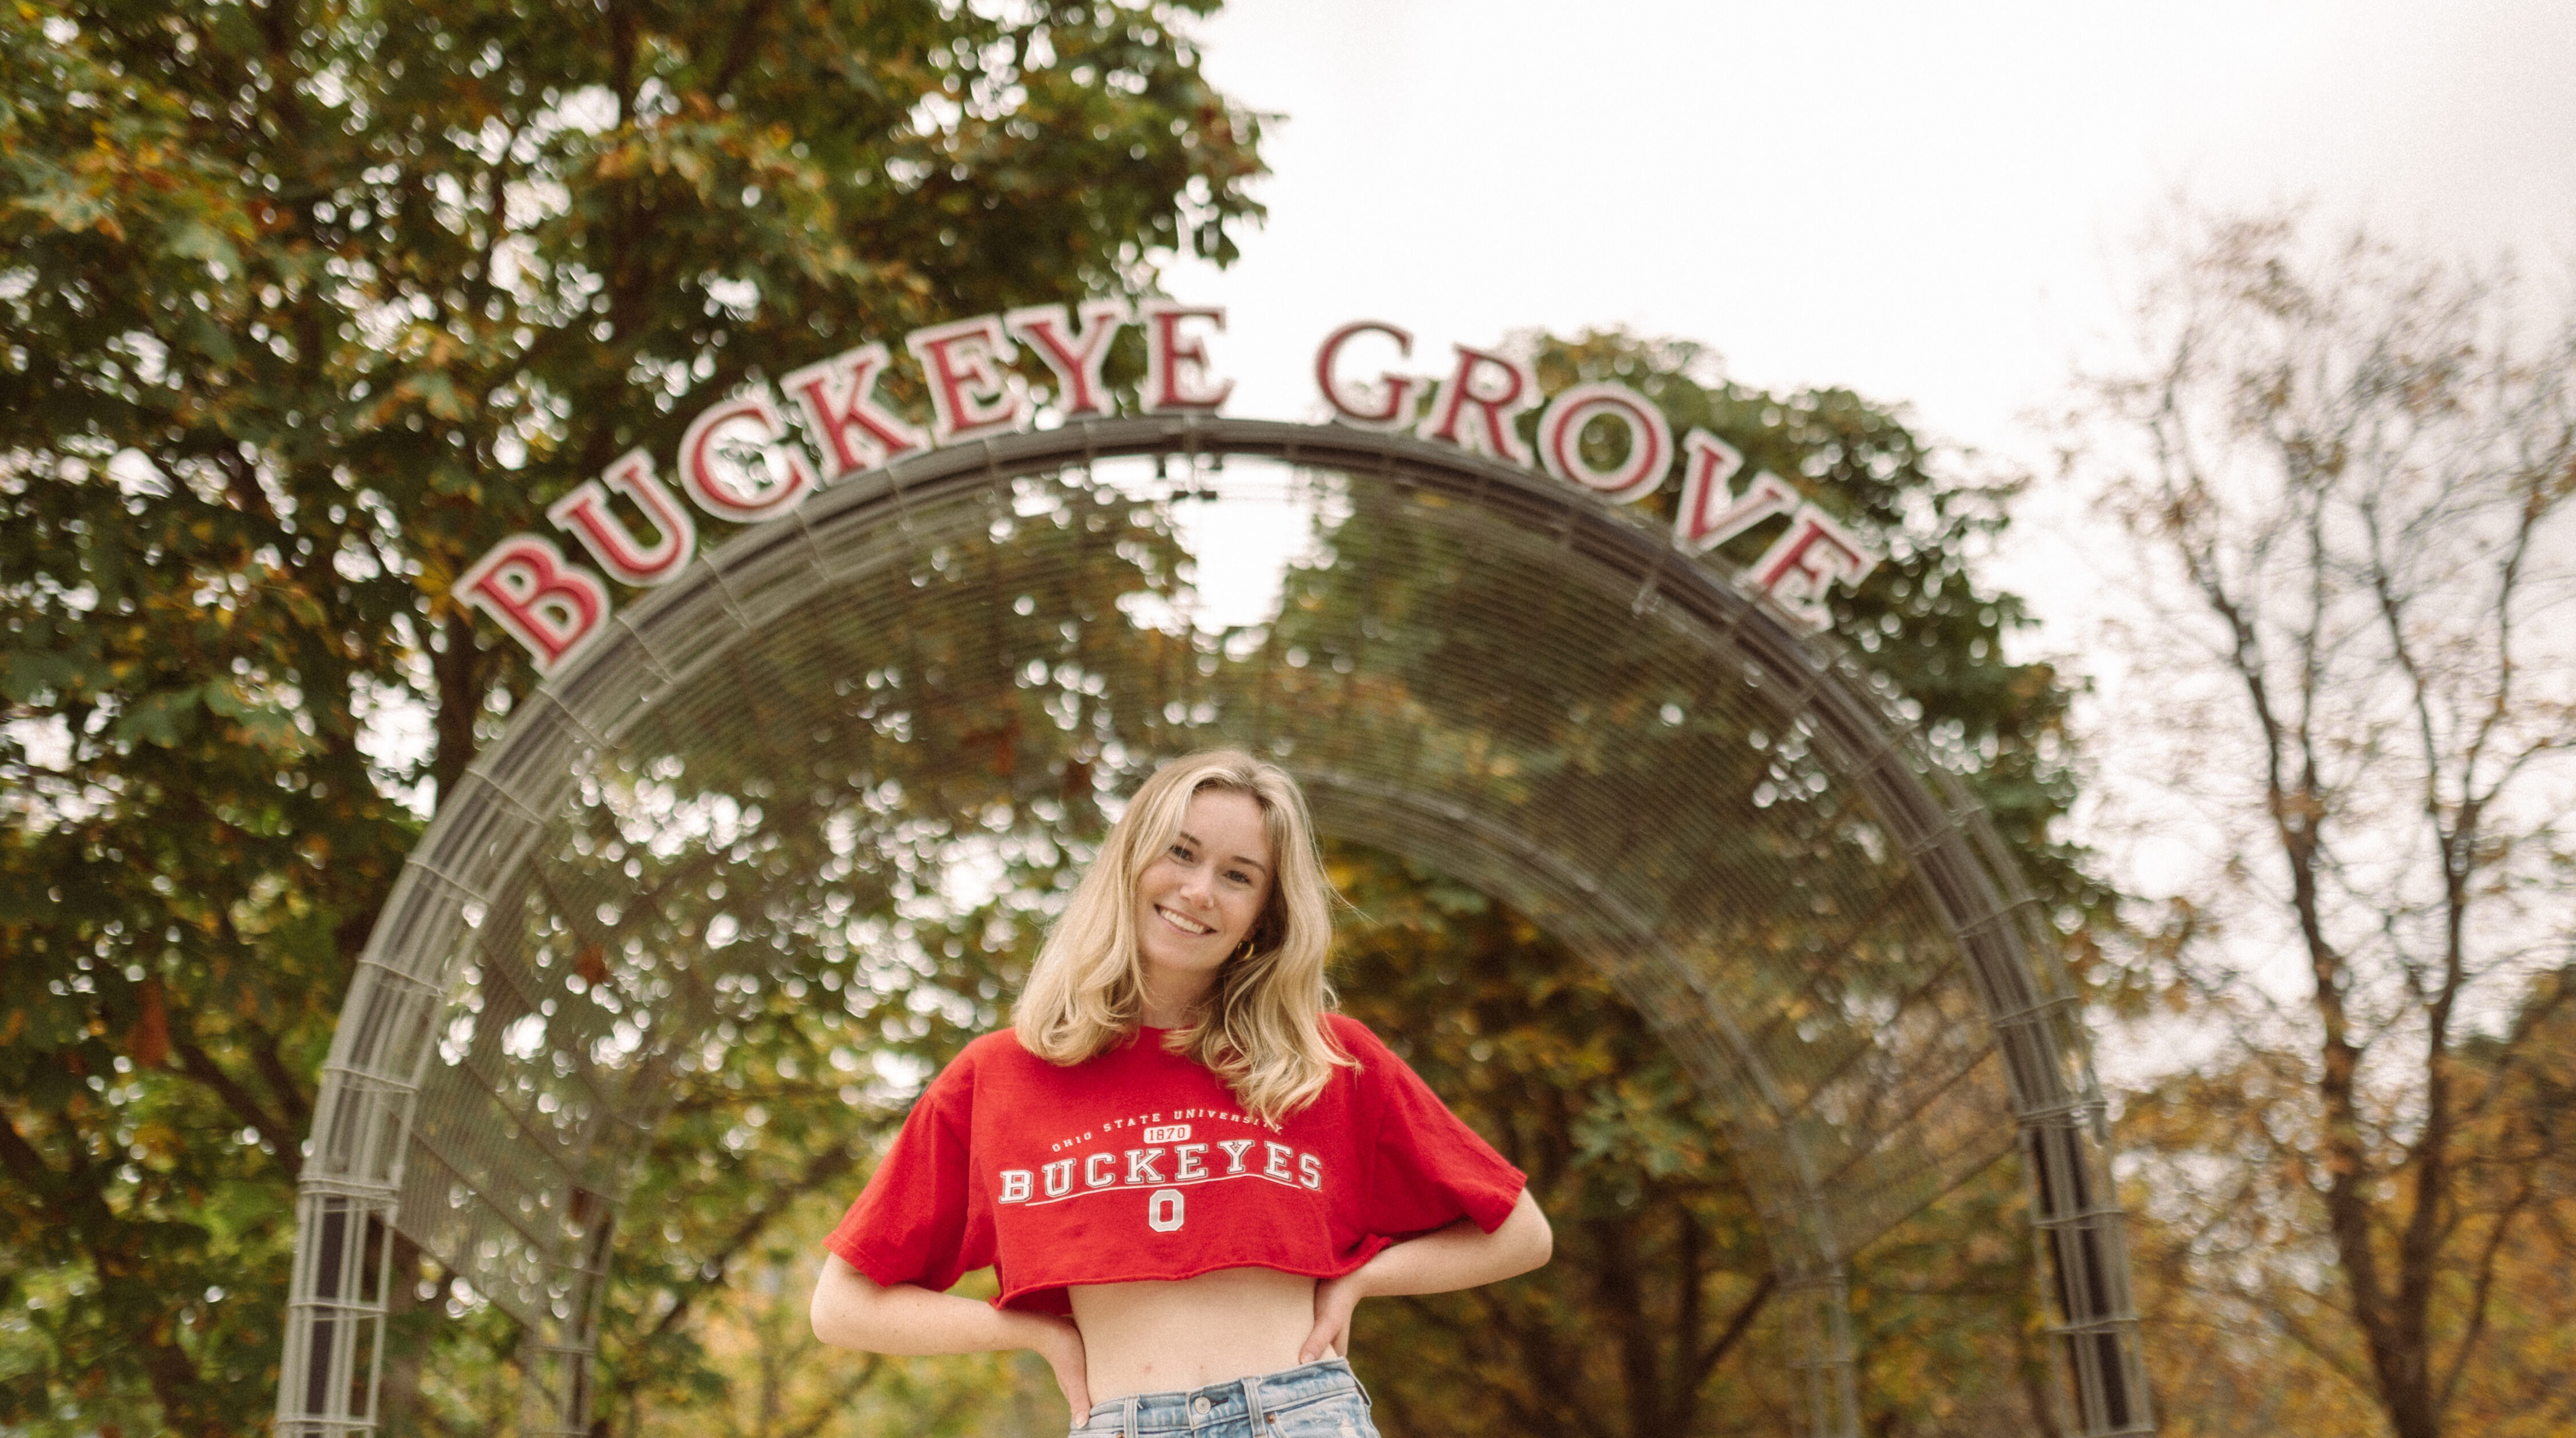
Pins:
x: 1184, y: 922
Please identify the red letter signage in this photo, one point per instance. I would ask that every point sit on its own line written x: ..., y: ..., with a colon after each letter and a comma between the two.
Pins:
x: 754, y: 490
x: 1176, y: 364
x: 1707, y: 519
x: 838, y: 397
x: 739, y: 462
x: 1814, y: 555
x: 584, y: 514
x: 549, y: 606
x: 1074, y: 356
x: 969, y: 393
x: 1650, y: 440
x: 1496, y: 387
x: 1386, y: 405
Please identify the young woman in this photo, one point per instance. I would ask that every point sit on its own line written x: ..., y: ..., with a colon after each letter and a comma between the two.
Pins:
x: 1185, y: 1171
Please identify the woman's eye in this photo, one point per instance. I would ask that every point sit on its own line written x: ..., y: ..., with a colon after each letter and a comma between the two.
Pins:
x: 1181, y: 852
x: 1238, y: 876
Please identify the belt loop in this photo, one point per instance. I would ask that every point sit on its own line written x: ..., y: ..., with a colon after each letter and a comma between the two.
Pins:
x: 1128, y: 1424
x: 1362, y: 1387
x: 1252, y: 1402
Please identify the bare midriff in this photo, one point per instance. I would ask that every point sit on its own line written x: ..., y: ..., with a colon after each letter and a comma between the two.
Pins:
x: 1159, y: 1337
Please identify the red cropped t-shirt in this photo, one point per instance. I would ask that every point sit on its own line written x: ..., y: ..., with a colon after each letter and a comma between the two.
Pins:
x: 1141, y: 1164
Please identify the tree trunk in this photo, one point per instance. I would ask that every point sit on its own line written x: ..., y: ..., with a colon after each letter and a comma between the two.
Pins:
x: 459, y: 670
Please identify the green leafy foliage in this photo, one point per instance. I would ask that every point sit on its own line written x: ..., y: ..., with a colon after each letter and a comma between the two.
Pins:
x: 1659, y: 1267
x: 302, y: 307
x: 1923, y: 617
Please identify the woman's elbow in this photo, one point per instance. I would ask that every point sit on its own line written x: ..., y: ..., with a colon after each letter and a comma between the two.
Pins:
x: 840, y: 1305
x: 1534, y: 1242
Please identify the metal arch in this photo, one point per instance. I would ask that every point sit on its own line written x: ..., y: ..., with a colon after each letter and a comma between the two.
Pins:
x: 366, y: 1173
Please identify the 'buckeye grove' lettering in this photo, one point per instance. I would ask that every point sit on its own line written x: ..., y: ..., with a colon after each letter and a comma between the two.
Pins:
x: 740, y: 459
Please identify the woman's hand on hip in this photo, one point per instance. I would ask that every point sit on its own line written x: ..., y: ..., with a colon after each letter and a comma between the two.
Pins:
x: 1459, y: 1256
x: 1061, y: 1347
x: 1335, y: 1300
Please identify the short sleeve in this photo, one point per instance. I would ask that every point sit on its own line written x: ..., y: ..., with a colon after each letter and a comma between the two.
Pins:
x: 1429, y: 1169
x: 914, y: 1222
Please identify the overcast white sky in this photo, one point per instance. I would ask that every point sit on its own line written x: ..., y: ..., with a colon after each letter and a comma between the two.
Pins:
x: 1926, y: 202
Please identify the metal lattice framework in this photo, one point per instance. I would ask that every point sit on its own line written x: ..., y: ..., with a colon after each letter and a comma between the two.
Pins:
x: 1479, y: 668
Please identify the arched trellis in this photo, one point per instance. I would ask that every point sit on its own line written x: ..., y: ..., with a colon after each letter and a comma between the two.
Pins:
x: 1499, y: 675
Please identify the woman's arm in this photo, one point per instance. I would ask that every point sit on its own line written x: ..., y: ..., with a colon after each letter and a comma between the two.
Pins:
x: 854, y: 1311
x: 1459, y: 1256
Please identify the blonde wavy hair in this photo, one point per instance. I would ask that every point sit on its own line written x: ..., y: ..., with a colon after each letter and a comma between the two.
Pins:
x: 1261, y: 1029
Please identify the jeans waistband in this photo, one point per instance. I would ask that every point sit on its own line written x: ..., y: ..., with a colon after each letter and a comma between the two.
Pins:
x: 1181, y: 1410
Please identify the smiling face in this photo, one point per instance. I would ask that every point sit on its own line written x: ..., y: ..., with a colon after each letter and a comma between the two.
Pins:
x: 1199, y: 899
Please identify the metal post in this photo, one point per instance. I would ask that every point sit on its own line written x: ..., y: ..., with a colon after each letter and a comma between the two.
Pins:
x: 335, y: 1315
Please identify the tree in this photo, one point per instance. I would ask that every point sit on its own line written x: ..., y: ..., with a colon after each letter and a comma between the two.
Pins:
x: 305, y: 305
x: 2347, y: 471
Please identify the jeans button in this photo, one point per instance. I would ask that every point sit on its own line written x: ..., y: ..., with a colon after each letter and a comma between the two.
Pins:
x: 1199, y: 1406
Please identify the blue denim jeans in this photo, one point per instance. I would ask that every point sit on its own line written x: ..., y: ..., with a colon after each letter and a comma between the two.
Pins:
x: 1315, y: 1400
